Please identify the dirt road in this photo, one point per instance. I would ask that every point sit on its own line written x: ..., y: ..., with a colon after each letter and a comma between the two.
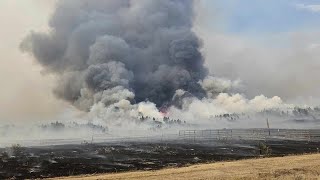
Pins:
x: 291, y: 167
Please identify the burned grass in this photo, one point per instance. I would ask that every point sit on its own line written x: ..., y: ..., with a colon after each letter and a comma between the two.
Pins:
x: 65, y: 160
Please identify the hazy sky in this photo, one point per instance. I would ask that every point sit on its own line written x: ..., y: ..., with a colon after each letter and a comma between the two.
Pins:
x: 272, y: 46
x: 261, y: 16
x: 24, y: 92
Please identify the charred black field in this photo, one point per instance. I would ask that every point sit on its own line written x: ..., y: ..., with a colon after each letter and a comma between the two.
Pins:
x: 65, y: 160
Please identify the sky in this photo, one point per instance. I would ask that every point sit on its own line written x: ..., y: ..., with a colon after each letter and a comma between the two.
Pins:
x: 270, y: 45
x: 271, y: 16
x: 24, y: 93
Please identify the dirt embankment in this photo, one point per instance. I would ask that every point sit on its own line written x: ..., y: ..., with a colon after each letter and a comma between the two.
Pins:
x: 290, y: 167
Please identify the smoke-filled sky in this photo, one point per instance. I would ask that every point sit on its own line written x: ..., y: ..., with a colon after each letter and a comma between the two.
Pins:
x: 25, y: 93
x: 272, y: 47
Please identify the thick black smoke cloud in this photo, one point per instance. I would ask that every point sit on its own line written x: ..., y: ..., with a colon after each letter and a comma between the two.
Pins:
x: 108, y: 50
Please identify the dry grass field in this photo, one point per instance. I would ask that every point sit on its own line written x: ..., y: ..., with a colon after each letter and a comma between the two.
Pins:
x: 290, y: 167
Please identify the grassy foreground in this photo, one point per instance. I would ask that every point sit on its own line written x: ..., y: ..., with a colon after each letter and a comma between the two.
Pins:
x: 290, y: 167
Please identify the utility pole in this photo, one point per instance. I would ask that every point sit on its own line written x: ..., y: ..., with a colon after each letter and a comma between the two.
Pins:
x: 268, y: 126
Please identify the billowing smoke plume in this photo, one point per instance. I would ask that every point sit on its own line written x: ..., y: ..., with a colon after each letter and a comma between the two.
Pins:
x: 105, y: 51
x: 119, y: 59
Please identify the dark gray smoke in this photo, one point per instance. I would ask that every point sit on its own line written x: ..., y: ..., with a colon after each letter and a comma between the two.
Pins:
x: 108, y: 50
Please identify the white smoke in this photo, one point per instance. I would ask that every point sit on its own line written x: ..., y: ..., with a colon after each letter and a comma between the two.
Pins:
x: 214, y: 85
x: 197, y: 110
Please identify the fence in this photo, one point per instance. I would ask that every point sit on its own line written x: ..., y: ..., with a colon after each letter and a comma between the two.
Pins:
x: 251, y: 134
x: 185, y: 136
